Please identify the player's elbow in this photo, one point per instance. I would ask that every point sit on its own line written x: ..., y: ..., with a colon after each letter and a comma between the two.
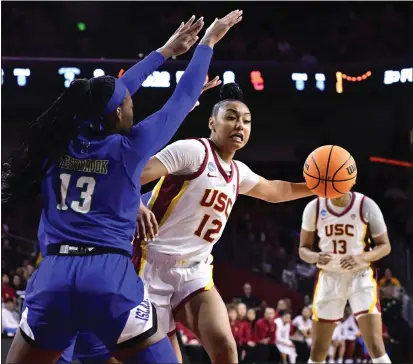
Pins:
x: 387, y: 249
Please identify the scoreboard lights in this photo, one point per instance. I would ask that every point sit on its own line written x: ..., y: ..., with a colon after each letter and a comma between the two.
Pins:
x: 300, y: 81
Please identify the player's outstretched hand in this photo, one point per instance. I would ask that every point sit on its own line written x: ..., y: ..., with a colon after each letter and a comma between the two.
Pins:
x: 146, y: 224
x: 220, y: 27
x: 183, y: 38
x: 324, y: 258
x: 211, y: 84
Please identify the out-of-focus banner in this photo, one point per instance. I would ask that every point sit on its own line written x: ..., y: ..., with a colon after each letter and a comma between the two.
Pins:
x: 26, y: 77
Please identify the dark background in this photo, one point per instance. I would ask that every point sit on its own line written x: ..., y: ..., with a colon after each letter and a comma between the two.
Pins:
x: 370, y: 118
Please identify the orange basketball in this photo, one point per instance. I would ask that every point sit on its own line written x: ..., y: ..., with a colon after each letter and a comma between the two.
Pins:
x: 330, y: 171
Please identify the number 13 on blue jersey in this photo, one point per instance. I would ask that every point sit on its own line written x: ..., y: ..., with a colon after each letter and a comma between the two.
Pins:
x: 87, y: 187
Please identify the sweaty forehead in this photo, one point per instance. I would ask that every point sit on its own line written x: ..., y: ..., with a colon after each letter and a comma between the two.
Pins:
x: 236, y: 106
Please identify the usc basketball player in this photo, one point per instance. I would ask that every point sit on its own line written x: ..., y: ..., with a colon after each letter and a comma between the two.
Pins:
x: 343, y: 225
x: 199, y: 185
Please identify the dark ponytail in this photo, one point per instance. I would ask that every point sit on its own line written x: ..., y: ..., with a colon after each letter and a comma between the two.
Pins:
x: 49, y: 136
x: 229, y: 92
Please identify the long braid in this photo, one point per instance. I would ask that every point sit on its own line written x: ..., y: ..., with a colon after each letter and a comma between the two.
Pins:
x: 49, y: 136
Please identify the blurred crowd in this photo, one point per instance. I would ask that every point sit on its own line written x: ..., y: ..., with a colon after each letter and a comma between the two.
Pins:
x: 267, y: 334
x: 284, y: 32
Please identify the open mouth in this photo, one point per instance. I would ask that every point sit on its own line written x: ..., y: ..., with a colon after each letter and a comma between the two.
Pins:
x: 238, y: 137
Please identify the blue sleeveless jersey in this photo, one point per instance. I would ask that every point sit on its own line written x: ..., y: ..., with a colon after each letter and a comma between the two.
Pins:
x: 92, y: 196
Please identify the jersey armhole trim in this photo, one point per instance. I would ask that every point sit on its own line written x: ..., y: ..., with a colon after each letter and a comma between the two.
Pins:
x: 190, y: 177
x: 237, y: 169
x: 361, y: 211
x: 317, y: 211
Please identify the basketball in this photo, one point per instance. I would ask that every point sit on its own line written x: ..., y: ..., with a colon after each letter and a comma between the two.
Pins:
x: 330, y: 171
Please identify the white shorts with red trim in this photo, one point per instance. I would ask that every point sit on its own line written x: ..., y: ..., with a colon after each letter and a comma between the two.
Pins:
x: 333, y: 290
x: 171, y: 282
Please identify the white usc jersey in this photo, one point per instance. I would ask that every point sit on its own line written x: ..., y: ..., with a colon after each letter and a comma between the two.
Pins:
x: 192, y: 210
x: 345, y: 232
x: 282, y: 332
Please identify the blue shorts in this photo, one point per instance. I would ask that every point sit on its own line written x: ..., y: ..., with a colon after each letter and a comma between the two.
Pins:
x: 101, y: 294
x: 88, y: 349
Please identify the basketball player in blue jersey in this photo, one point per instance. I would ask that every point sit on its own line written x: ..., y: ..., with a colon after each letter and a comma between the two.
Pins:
x: 88, y: 156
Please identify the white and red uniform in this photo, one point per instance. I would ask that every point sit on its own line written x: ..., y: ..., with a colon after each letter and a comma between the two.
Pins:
x: 192, y: 204
x: 304, y: 326
x: 282, y: 340
x: 344, y: 231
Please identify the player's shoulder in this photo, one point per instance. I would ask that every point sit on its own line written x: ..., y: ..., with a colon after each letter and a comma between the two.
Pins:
x: 364, y: 199
x: 313, y: 204
x: 241, y: 165
x: 194, y: 144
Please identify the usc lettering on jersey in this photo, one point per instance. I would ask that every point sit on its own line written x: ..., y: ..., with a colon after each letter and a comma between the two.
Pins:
x: 192, y: 210
x: 345, y: 232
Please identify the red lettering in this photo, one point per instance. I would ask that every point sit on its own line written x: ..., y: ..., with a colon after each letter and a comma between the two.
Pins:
x: 347, y: 230
x: 228, y: 208
x: 339, y: 230
x: 221, y: 202
x: 205, y: 202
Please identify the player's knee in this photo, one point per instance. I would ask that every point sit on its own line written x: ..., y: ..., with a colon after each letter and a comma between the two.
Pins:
x: 223, y: 346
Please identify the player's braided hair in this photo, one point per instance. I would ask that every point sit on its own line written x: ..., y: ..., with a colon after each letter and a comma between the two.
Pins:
x: 49, y: 135
x: 229, y: 92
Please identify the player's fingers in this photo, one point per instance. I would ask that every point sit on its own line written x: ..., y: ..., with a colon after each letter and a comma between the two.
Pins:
x: 155, y: 225
x: 197, y: 26
x: 188, y: 23
x: 179, y: 28
x: 233, y: 16
x: 142, y: 230
x: 148, y: 227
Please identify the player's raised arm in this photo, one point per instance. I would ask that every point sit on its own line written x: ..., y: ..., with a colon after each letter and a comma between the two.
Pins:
x: 177, y: 44
x: 154, y: 132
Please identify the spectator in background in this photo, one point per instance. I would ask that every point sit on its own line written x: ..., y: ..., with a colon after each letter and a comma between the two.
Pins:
x: 242, y: 312
x: 303, y: 324
x: 9, y: 317
x: 248, y: 337
x: 7, y: 291
x: 247, y: 298
x: 282, y: 338
x: 265, y: 336
x: 237, y: 327
x: 338, y: 344
x: 18, y: 284
x: 282, y: 305
x: 251, y: 317
x: 351, y: 332
x: 191, y: 344
x: 388, y: 280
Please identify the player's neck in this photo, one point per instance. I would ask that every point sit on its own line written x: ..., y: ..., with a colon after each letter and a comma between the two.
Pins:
x: 226, y: 156
x: 342, y: 201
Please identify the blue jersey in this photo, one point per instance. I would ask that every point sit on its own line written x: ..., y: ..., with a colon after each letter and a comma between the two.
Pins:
x: 92, y: 196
